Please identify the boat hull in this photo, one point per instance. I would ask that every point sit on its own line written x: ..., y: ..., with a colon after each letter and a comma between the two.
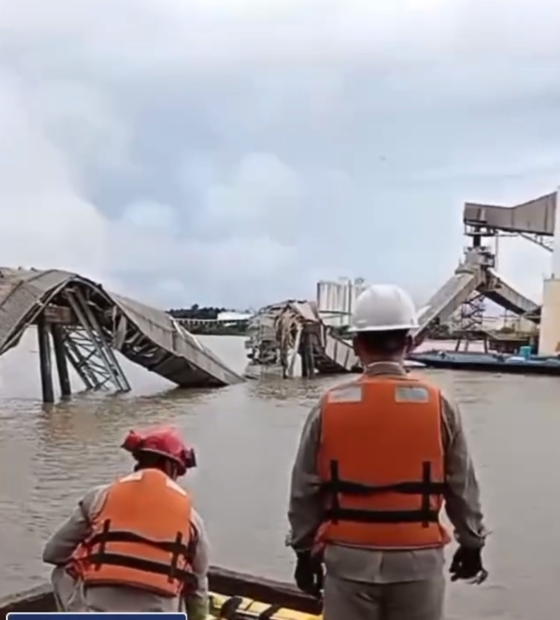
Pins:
x: 524, y: 367
x: 225, y: 583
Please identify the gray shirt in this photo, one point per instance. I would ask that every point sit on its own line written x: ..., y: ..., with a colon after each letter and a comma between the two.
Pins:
x: 76, y: 529
x: 462, y: 504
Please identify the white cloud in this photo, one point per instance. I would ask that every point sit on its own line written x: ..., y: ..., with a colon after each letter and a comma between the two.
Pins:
x: 44, y: 218
x: 234, y: 152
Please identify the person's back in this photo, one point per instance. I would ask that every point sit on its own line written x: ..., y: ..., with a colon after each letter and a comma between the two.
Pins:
x: 377, y: 458
x: 136, y: 544
x: 364, y: 426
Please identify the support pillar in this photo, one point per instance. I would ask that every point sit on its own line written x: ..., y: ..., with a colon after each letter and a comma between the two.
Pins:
x: 304, y: 366
x: 61, y: 362
x: 302, y: 353
x: 43, y: 330
x: 306, y: 354
x: 310, y: 357
x: 310, y: 362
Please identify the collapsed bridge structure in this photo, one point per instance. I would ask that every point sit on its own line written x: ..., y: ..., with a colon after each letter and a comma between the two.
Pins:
x: 87, y: 324
x: 281, y: 332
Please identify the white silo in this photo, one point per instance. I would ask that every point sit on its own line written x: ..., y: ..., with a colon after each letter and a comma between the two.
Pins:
x: 335, y: 299
x: 549, y: 332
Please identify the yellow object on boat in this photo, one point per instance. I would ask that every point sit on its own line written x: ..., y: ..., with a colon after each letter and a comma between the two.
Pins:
x: 234, y: 607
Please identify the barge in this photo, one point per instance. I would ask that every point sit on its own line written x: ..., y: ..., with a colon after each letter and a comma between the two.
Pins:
x: 488, y: 362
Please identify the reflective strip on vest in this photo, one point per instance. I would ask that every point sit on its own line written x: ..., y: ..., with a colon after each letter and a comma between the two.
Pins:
x: 381, y: 463
x: 141, y: 538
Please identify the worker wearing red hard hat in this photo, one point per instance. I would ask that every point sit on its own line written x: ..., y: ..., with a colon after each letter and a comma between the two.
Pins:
x: 378, y: 459
x: 137, y: 544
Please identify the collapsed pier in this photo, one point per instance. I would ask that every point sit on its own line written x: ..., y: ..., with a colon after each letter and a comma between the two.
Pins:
x: 84, y: 325
x: 280, y: 333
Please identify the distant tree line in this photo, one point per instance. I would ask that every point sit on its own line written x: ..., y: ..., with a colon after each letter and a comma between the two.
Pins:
x: 209, y: 313
x: 196, y: 312
x: 438, y: 332
x: 239, y: 328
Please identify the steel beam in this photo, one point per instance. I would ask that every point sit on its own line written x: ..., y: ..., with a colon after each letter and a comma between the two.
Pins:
x: 88, y: 350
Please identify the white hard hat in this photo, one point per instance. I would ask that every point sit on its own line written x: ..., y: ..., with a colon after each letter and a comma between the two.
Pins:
x: 383, y: 307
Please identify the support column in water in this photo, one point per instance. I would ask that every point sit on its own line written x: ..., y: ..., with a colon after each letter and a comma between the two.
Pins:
x: 306, y: 353
x: 61, y: 362
x: 43, y: 330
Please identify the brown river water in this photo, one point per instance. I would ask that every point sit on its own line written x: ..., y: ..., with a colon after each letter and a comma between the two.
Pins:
x: 245, y: 437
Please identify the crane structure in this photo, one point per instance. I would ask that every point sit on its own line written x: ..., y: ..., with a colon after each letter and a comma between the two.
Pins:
x: 476, y: 278
x: 280, y: 333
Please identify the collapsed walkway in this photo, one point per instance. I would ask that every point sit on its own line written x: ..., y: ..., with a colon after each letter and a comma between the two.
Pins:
x: 471, y: 277
x: 93, y: 323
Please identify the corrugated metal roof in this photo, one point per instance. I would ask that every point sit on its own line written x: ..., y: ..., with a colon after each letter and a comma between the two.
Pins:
x: 24, y: 292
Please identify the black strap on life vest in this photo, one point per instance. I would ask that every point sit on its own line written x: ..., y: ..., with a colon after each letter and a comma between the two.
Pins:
x: 177, y: 549
x: 426, y: 488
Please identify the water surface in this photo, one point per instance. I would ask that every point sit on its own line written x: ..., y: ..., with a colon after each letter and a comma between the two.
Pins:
x: 246, y: 436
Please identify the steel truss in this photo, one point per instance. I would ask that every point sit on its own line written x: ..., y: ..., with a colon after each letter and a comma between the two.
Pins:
x: 88, y: 350
x: 471, y: 313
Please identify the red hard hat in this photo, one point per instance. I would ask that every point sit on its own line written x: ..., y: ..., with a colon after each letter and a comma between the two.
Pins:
x: 164, y: 440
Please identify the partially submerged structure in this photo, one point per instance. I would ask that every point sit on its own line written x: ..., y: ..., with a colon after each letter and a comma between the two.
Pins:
x: 281, y: 332
x: 87, y: 324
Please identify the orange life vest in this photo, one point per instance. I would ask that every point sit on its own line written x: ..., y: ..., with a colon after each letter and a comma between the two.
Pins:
x: 141, y: 537
x: 381, y: 463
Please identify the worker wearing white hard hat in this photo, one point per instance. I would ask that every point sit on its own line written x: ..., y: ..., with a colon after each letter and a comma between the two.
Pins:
x: 384, y: 308
x: 378, y: 459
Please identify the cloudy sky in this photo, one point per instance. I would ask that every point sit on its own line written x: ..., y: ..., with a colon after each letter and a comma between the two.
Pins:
x: 236, y: 151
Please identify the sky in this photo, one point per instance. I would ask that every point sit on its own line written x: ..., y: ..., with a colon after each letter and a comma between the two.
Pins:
x: 236, y: 152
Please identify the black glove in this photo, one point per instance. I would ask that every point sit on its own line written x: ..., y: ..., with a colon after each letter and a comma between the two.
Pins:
x: 467, y: 565
x: 309, y: 573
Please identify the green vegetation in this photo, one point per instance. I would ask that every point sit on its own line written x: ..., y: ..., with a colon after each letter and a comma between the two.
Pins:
x: 239, y: 328
x: 212, y: 327
x: 439, y: 332
x: 196, y: 312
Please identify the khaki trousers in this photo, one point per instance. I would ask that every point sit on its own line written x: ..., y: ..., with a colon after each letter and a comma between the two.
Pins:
x: 413, y: 600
